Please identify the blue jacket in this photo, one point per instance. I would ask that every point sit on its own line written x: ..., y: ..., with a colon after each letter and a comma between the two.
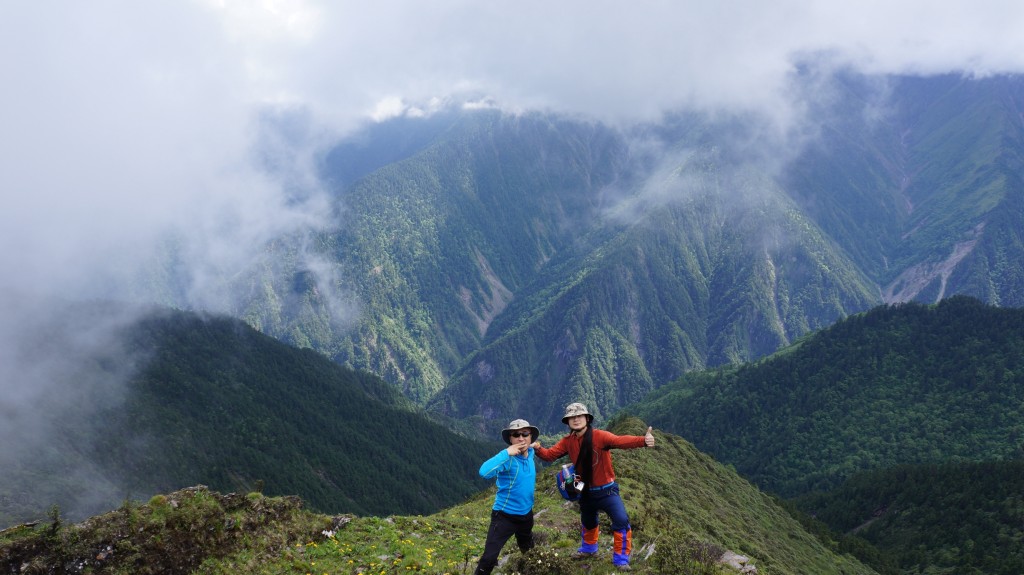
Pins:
x: 517, y: 476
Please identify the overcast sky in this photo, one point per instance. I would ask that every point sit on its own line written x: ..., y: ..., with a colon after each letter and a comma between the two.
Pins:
x: 121, y: 117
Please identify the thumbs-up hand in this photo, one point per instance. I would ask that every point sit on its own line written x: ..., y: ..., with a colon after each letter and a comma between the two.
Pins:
x: 649, y: 438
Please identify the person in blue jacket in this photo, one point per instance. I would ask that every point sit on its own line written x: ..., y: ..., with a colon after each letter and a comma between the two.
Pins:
x: 512, y: 512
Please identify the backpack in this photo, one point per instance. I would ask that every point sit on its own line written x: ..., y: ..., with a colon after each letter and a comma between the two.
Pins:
x: 569, y: 484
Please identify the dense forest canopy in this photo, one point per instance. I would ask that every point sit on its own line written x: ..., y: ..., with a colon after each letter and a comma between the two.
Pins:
x: 907, y: 383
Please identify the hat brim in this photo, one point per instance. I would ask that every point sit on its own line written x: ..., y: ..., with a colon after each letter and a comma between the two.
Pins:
x: 534, y: 433
x: 590, y: 418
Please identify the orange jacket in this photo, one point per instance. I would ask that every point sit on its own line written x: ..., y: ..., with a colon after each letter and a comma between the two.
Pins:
x: 604, y: 442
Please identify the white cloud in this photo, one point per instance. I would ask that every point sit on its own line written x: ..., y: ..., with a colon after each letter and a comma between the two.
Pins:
x: 388, y: 108
x: 122, y: 119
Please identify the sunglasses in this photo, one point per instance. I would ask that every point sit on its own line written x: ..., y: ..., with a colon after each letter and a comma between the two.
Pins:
x: 521, y: 434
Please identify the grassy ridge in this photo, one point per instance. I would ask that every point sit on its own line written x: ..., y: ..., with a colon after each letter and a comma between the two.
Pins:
x: 685, y: 510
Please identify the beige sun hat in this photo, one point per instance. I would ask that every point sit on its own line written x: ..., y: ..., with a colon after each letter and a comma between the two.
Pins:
x: 574, y: 409
x: 516, y: 425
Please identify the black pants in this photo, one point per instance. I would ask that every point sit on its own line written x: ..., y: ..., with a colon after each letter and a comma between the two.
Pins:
x: 503, y: 526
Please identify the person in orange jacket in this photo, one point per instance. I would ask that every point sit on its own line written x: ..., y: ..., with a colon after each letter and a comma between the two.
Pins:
x: 590, y: 451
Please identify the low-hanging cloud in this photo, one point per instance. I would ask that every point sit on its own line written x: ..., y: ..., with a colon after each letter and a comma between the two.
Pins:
x: 125, y: 120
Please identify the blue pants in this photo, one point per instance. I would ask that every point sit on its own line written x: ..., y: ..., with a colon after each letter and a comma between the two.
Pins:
x: 606, y: 500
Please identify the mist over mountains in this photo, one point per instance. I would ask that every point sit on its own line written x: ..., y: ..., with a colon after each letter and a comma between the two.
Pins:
x: 166, y: 399
x: 489, y: 264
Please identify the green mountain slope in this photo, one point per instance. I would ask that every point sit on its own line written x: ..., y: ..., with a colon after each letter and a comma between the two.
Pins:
x: 433, y: 247
x: 926, y: 196
x: 476, y: 253
x: 849, y: 179
x: 895, y: 385
x: 686, y: 511
x: 946, y: 518
x: 497, y: 222
x: 213, y: 401
x: 655, y: 299
x: 964, y: 142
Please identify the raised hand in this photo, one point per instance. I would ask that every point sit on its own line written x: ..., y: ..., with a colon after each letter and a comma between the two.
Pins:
x: 649, y: 438
x: 518, y: 448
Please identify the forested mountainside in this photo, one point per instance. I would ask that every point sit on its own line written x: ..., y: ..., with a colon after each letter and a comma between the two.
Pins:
x: 949, y: 518
x: 686, y: 510
x: 930, y: 194
x: 902, y: 425
x: 495, y: 265
x: 190, y: 399
x: 902, y: 384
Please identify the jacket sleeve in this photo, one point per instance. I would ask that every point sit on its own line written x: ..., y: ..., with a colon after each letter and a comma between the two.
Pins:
x: 607, y: 440
x: 492, y: 466
x: 554, y: 452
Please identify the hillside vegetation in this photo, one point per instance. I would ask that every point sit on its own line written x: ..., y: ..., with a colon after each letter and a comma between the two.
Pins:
x: 212, y: 401
x: 902, y: 426
x: 965, y: 518
x: 508, y: 263
x: 686, y: 511
x: 902, y: 384
x: 653, y: 301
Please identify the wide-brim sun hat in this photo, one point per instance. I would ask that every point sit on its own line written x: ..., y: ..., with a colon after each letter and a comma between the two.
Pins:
x: 516, y: 425
x: 574, y: 409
